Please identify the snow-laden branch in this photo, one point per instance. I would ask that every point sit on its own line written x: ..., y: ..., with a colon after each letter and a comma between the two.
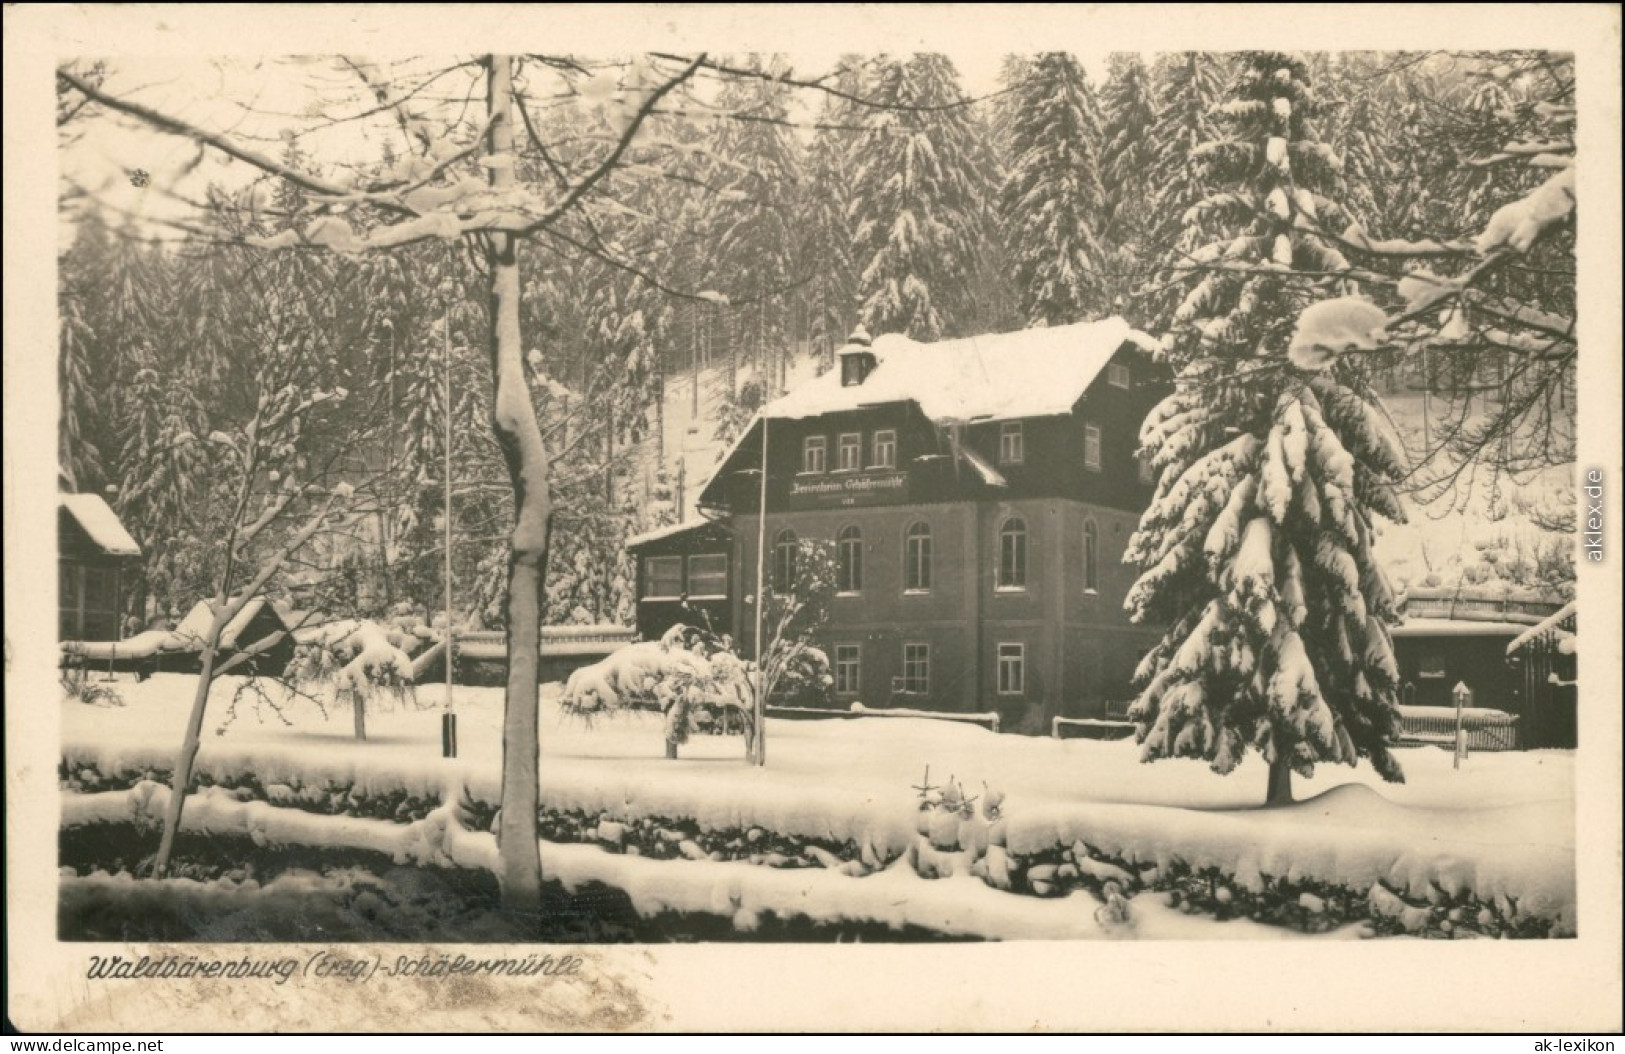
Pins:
x: 176, y: 126
x: 818, y: 85
x: 591, y: 179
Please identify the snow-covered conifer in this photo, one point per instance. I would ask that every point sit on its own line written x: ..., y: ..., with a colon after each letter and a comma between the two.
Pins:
x: 919, y: 187
x: 1256, y: 549
x: 1052, y: 199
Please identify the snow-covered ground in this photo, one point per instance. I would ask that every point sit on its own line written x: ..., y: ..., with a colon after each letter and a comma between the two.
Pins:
x: 1500, y: 827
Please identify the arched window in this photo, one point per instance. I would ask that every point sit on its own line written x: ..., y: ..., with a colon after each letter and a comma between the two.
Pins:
x: 849, y: 563
x: 1013, y: 554
x: 1091, y: 556
x: 917, y: 558
x: 785, y: 547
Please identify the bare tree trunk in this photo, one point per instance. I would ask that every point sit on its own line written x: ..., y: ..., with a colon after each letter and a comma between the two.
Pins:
x: 513, y: 418
x: 1279, y: 791
x: 181, y: 779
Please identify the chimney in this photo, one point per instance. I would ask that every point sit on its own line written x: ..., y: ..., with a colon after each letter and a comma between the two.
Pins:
x: 857, y: 360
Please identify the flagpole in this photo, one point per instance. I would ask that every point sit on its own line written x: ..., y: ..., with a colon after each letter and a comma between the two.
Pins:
x: 448, y: 720
x: 761, y: 602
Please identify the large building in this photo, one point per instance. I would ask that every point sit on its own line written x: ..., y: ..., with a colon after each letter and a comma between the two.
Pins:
x: 979, y: 493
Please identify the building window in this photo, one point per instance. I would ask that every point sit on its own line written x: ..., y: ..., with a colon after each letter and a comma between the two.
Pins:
x: 88, y: 605
x: 663, y: 578
x: 814, y: 450
x: 1148, y: 474
x: 785, y: 548
x: 848, y: 664
x: 1091, y: 557
x: 1013, y: 555
x: 849, y: 452
x: 1091, y: 447
x: 708, y: 576
x: 1012, y: 449
x: 917, y: 558
x: 849, y: 562
x: 1431, y: 665
x: 917, y: 669
x: 1117, y: 375
x: 885, y: 449
x: 1012, y: 669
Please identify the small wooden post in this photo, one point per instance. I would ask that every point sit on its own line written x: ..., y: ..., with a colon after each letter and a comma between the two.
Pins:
x: 1463, y: 696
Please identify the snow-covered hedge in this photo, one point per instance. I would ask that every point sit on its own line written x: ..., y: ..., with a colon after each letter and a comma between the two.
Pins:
x: 1120, y: 868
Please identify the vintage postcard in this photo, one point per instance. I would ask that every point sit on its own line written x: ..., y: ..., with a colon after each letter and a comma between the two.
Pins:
x: 823, y: 519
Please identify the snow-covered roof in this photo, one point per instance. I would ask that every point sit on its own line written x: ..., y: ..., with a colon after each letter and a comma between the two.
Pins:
x: 993, y: 377
x: 998, y: 376
x: 195, y: 626
x: 143, y: 645
x: 661, y: 533
x: 1551, y: 624
x: 101, y: 523
x: 1455, y: 627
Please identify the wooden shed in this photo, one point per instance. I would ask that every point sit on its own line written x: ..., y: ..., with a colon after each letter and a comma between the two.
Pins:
x: 95, y: 559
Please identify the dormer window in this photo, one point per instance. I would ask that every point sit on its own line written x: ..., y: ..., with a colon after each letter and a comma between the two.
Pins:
x: 814, y: 454
x: 857, y: 360
x: 1012, y: 447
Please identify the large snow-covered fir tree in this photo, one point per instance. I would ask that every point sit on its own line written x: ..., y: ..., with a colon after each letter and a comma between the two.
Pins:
x: 1273, y: 457
x: 1186, y: 87
x: 1052, y: 199
x: 754, y: 231
x: 919, y: 186
x: 825, y: 242
x: 1127, y: 115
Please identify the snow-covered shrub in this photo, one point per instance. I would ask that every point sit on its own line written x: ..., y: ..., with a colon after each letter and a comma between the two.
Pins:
x: 691, y: 676
x: 360, y: 661
x: 792, y: 667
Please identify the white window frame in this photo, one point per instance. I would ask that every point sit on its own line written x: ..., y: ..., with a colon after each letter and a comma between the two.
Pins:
x: 1091, y: 447
x: 1118, y: 375
x: 694, y: 594
x: 999, y: 582
x: 1012, y: 443
x: 842, y: 540
x: 849, y: 657
x: 649, y: 578
x: 793, y: 544
x: 1091, y: 560
x: 885, y: 440
x: 909, y: 567
x: 811, y: 445
x: 1012, y: 658
x: 849, y: 443
x: 924, y: 661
